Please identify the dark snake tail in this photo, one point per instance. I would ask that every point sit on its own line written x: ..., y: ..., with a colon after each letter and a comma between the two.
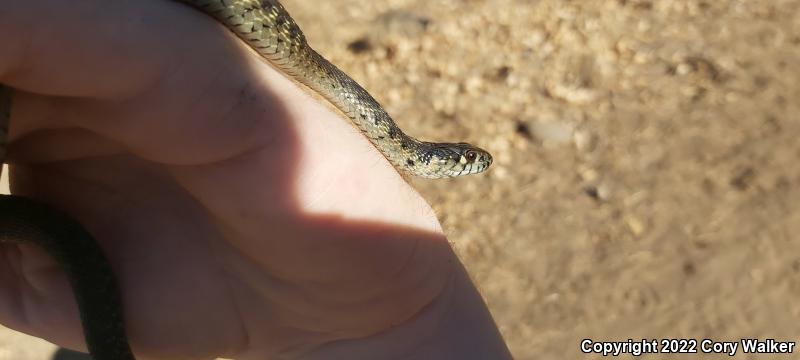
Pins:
x: 25, y: 221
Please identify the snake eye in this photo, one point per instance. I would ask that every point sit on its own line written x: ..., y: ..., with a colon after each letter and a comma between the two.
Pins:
x: 471, y: 155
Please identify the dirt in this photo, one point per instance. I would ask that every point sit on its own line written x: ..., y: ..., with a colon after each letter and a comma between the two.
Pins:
x: 646, y: 178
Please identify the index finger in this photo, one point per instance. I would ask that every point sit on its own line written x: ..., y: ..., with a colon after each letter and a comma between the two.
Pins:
x: 101, y: 48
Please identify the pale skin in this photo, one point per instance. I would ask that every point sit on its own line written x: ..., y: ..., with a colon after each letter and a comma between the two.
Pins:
x: 243, y: 218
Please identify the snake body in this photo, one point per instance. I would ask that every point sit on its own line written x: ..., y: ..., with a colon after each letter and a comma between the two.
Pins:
x: 269, y: 30
x: 267, y: 27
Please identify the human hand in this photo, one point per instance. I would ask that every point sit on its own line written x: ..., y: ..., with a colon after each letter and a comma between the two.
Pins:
x: 242, y: 218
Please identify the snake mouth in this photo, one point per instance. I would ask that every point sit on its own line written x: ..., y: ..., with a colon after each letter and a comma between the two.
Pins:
x: 469, y: 169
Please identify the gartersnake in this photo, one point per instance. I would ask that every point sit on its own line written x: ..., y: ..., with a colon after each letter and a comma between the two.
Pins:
x: 269, y: 30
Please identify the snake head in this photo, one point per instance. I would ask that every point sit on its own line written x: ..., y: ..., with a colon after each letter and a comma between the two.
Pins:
x: 444, y: 160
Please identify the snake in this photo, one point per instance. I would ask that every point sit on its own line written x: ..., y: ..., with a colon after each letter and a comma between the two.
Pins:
x: 268, y: 29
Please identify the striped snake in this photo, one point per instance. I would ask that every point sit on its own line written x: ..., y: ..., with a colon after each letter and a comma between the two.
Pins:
x: 269, y: 30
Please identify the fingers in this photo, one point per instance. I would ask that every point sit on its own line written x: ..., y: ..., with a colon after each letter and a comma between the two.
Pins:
x: 73, y: 48
x: 101, y: 48
x: 158, y: 77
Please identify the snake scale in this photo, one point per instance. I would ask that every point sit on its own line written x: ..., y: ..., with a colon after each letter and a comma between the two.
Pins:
x: 269, y: 30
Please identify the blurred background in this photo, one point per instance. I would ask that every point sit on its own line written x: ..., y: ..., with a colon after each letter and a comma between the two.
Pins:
x: 646, y: 181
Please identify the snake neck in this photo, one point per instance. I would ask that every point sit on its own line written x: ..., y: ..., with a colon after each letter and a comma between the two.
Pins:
x: 363, y: 110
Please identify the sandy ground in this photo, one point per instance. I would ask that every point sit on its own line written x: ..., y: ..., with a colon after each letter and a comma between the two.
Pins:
x: 646, y: 178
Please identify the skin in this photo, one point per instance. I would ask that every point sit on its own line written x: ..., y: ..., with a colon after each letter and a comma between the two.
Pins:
x: 223, y: 195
